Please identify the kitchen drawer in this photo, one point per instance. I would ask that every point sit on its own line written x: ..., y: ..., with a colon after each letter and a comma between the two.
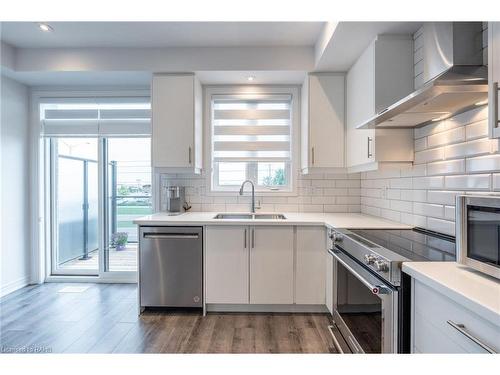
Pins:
x: 429, y: 339
x: 431, y: 332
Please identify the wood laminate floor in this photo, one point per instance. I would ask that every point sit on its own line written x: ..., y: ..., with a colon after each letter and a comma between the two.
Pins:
x: 102, y: 318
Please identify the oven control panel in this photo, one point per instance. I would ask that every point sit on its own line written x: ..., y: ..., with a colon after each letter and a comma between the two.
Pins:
x: 366, y: 252
x: 378, y: 263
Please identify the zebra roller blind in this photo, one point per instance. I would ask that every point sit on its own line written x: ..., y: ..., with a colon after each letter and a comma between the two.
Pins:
x: 103, y: 116
x: 251, y: 129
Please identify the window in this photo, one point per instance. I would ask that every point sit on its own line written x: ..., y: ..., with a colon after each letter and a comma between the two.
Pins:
x: 251, y: 138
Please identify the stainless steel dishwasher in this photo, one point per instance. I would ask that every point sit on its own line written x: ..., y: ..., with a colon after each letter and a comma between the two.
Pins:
x: 170, y: 267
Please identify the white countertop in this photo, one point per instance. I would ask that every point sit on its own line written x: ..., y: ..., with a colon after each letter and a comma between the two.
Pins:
x: 334, y: 220
x: 469, y: 288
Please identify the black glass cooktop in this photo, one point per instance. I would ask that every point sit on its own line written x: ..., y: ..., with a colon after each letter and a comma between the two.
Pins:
x: 415, y: 244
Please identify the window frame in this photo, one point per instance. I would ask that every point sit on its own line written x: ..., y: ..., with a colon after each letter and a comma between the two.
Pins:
x: 211, y: 173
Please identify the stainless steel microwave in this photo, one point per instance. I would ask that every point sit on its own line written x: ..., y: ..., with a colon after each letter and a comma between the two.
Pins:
x: 478, y: 233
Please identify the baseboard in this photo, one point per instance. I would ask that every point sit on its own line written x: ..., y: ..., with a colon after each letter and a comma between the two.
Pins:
x: 90, y: 279
x: 14, y: 285
x: 266, y: 308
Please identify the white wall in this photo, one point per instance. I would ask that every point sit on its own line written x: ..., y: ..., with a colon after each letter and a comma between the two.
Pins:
x: 15, y: 215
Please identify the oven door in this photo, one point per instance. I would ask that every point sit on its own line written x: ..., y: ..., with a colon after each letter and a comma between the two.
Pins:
x: 365, y: 307
x: 478, y: 232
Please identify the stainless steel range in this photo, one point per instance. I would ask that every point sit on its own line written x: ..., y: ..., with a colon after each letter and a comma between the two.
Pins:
x: 371, y: 294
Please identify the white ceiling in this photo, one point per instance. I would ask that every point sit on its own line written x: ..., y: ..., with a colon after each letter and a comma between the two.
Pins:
x: 281, y: 77
x: 161, y: 34
x: 123, y: 78
x: 130, y: 78
x: 46, y: 59
x: 350, y: 39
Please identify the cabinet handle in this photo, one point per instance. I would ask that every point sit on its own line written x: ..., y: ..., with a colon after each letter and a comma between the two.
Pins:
x: 312, y: 155
x: 245, y: 240
x: 189, y: 155
x: 253, y: 238
x: 368, y: 144
x: 461, y: 328
x: 495, y: 105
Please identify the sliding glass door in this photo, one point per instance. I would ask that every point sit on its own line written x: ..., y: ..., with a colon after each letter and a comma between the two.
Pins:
x: 75, y: 205
x: 83, y: 173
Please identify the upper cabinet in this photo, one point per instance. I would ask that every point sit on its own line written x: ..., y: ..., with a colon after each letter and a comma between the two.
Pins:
x: 322, y: 123
x: 382, y: 75
x: 177, y: 123
x: 493, y: 77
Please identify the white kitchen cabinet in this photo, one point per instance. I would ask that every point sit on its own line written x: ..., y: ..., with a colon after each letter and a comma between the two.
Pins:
x: 271, y: 264
x: 322, y: 123
x: 493, y: 77
x: 381, y: 76
x: 226, y: 264
x: 177, y: 123
x: 310, y: 272
x: 433, y: 314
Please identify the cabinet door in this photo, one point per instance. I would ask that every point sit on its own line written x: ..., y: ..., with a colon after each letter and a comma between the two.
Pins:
x: 226, y: 264
x: 360, y: 96
x: 494, y: 77
x: 326, y: 120
x: 310, y: 266
x: 173, y: 121
x: 271, y: 265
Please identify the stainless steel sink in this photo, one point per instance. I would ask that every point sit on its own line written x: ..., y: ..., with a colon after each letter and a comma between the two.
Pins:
x: 269, y: 216
x: 250, y: 216
x: 234, y: 216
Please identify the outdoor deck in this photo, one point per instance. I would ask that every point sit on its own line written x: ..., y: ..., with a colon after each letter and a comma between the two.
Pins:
x: 123, y: 260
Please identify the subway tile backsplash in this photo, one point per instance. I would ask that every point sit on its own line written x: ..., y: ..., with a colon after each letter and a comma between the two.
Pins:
x: 316, y: 192
x: 452, y: 157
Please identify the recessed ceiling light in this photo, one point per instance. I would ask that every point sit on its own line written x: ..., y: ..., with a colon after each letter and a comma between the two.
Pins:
x: 482, y: 102
x: 45, y: 27
x: 250, y: 78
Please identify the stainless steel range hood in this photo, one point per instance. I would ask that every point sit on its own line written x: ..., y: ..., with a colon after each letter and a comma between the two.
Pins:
x: 455, y: 78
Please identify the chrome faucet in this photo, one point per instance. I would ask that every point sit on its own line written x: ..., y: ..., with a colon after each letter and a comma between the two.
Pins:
x: 253, y: 193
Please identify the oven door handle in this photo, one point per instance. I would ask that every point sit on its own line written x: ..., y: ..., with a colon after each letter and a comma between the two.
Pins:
x: 376, y: 289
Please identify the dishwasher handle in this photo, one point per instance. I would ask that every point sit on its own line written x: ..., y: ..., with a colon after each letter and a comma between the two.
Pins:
x: 166, y: 236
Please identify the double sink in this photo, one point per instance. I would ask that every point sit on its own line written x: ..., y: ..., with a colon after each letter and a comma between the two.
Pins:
x: 229, y: 216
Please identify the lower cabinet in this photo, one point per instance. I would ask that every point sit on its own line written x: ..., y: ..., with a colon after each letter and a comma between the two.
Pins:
x: 310, y: 273
x: 226, y: 264
x: 271, y: 265
x: 440, y: 325
x: 265, y: 265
